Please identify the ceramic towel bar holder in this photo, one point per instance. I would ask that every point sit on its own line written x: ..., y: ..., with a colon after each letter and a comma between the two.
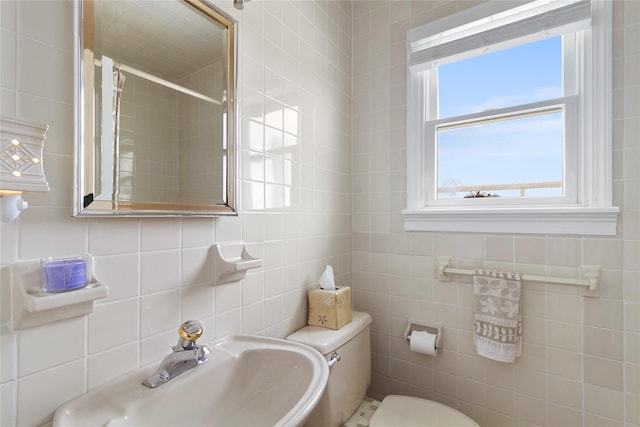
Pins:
x: 231, y: 262
x: 589, y: 279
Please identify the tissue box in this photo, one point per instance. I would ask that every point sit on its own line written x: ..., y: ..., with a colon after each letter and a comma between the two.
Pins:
x: 330, y: 309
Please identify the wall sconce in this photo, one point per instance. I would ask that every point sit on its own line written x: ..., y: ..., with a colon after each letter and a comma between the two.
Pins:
x: 21, y: 168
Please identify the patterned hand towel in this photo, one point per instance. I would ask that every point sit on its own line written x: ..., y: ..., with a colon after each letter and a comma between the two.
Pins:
x: 496, y: 321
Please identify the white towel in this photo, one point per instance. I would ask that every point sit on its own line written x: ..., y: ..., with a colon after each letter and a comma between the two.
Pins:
x: 496, y: 321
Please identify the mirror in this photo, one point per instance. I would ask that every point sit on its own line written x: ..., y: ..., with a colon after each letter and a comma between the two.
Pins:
x: 155, y: 108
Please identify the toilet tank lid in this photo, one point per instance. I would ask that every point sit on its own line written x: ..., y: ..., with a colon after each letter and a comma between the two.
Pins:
x: 327, y: 340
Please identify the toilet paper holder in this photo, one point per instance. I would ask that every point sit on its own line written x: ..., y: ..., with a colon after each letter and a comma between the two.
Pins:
x: 431, y: 328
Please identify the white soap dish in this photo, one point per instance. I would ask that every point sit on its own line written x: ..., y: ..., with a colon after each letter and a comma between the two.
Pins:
x: 231, y: 262
x: 32, y: 306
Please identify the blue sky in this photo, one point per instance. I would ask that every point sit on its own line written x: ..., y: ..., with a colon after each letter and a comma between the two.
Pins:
x: 523, y: 150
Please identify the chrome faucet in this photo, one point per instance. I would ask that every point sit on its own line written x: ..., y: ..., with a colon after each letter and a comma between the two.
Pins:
x: 186, y: 355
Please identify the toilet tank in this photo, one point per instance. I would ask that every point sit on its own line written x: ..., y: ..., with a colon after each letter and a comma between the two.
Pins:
x: 350, y: 377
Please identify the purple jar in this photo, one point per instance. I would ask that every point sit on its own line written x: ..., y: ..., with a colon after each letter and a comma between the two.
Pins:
x: 63, y: 274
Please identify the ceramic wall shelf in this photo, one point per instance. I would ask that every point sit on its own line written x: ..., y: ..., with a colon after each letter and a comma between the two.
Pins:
x: 231, y: 262
x: 32, y: 307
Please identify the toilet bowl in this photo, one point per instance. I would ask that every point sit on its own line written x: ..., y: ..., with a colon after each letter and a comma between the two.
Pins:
x: 348, y: 351
x: 406, y: 411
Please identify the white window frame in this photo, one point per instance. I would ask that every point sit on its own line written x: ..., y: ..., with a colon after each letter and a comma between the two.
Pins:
x: 589, y: 210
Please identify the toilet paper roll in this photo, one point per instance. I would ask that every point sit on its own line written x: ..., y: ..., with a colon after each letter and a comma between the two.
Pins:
x: 423, y: 342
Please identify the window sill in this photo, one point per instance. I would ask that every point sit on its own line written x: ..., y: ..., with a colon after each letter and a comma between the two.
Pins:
x: 590, y: 221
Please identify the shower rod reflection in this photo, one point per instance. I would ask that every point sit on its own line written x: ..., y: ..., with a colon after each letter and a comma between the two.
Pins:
x: 162, y: 82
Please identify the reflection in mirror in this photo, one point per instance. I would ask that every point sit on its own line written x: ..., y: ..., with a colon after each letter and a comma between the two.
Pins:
x: 155, y: 84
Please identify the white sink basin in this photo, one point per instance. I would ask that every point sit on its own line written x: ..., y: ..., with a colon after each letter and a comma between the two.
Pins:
x: 248, y: 381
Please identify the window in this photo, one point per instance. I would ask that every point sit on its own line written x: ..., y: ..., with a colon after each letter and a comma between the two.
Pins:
x: 509, y: 120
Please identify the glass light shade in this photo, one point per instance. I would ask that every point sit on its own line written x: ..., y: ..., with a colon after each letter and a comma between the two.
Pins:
x: 21, y: 166
x: 21, y: 146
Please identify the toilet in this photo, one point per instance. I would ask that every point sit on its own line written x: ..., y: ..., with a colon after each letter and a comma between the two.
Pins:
x: 350, y: 376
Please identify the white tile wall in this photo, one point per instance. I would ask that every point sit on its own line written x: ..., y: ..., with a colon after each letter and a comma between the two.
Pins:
x: 295, y: 95
x: 580, y: 360
x: 322, y: 181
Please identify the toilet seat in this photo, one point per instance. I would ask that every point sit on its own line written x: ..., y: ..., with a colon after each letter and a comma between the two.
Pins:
x: 406, y: 411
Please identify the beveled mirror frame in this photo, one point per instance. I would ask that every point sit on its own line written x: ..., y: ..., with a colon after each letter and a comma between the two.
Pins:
x: 84, y: 144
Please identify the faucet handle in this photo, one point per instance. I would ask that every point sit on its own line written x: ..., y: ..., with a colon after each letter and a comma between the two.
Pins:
x: 189, y: 332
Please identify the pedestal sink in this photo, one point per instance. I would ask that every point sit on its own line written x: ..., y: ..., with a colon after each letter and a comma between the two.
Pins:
x: 248, y: 381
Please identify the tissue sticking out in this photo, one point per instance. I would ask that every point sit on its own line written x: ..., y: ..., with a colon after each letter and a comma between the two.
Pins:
x: 327, y: 281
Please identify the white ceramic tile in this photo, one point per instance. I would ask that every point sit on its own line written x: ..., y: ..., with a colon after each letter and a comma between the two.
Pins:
x: 55, y: 114
x: 8, y: 11
x: 530, y: 250
x: 274, y: 282
x: 228, y: 229
x: 273, y: 311
x: 295, y: 303
x: 159, y: 312
x: 604, y: 373
x: 197, y: 232
x: 8, y: 103
x: 632, y: 316
x: 114, y: 324
x: 8, y: 404
x: 229, y: 322
x: 253, y: 288
x: 121, y: 273
x: 292, y: 277
x: 564, y: 392
x: 64, y: 341
x: 159, y: 271
x: 606, y: 253
x: 153, y: 349
x: 6, y: 288
x: 60, y: 196
x: 253, y: 196
x: 566, y: 364
x: 565, y: 336
x: 564, y: 308
x: 8, y: 42
x: 603, y: 343
x: 603, y: 401
x: 275, y: 225
x: 499, y: 248
x: 273, y: 254
x: 253, y: 318
x: 253, y: 164
x: 253, y: 227
x: 531, y: 410
x: 36, y: 239
x: 563, y: 416
x: 44, y: 21
x: 227, y: 297
x: 110, y: 364
x: 160, y: 234
x: 35, y: 79
x: 36, y: 401
x: 197, y: 266
x: 107, y: 237
x: 603, y: 313
x: 500, y: 400
x: 8, y: 356
x: 531, y: 383
x: 196, y: 302
x: 632, y: 409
